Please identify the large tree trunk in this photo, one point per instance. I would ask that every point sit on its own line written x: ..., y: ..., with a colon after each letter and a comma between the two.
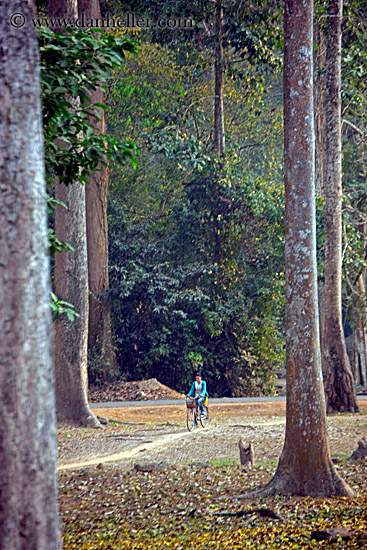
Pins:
x: 99, y: 327
x: 219, y: 135
x: 71, y: 285
x: 28, y: 488
x: 338, y: 379
x: 305, y: 466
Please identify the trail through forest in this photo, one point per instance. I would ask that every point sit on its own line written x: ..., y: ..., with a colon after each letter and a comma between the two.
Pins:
x: 158, y: 433
x: 111, y: 498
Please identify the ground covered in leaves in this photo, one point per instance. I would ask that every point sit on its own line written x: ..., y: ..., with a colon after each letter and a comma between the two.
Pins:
x: 196, y: 500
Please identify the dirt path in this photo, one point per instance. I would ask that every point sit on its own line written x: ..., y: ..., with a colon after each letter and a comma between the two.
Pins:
x: 115, y: 457
x: 151, y: 434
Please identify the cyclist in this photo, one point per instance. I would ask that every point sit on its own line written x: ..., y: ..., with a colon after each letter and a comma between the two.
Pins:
x: 198, y: 390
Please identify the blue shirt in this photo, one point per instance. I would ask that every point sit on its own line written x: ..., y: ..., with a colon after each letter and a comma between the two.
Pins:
x: 203, y: 389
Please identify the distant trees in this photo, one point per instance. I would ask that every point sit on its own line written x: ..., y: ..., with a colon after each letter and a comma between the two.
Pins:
x: 196, y: 251
x: 305, y: 466
x: 28, y: 493
x: 354, y: 127
x: 223, y: 231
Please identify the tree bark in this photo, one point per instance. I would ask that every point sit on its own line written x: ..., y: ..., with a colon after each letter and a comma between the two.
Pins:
x: 319, y: 113
x: 99, y: 326
x: 219, y: 134
x: 359, y: 318
x: 71, y: 285
x: 338, y: 379
x: 305, y: 466
x: 359, y: 341
x: 28, y: 481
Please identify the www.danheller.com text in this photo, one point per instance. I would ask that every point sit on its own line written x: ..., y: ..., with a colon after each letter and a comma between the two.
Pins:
x: 128, y: 21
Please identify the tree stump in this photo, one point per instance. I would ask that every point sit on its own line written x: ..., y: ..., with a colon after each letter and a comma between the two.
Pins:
x: 247, y: 455
x: 361, y: 451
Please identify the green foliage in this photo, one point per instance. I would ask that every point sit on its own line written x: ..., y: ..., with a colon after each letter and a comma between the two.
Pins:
x: 59, y: 307
x: 196, y: 252
x: 200, y: 287
x: 74, y: 63
x: 353, y: 94
x: 55, y: 245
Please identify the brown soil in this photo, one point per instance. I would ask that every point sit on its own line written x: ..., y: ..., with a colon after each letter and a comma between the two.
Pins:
x: 177, y: 413
x: 143, y: 390
x: 158, y: 433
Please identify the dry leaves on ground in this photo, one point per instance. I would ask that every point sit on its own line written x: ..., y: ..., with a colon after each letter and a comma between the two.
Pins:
x: 186, y: 506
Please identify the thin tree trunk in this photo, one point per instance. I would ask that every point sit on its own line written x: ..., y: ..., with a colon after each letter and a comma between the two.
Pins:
x: 71, y: 285
x: 338, y: 379
x: 99, y: 327
x: 28, y: 481
x: 305, y: 466
x: 219, y: 135
x: 100, y: 330
x: 359, y: 317
x: 319, y: 113
x: 321, y: 302
x: 359, y: 346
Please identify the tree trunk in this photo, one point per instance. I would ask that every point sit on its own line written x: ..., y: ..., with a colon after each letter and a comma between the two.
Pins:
x: 219, y: 135
x: 338, y: 379
x: 28, y: 481
x: 305, y: 466
x: 359, y: 317
x: 319, y: 113
x: 99, y: 327
x: 99, y: 331
x: 359, y: 343
x: 71, y: 285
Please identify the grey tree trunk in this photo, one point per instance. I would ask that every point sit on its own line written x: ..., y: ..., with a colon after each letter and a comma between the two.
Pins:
x: 338, y: 379
x: 219, y: 134
x: 71, y: 285
x: 305, y: 466
x: 28, y: 481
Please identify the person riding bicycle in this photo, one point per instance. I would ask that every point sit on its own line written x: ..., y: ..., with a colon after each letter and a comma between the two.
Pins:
x: 198, y: 390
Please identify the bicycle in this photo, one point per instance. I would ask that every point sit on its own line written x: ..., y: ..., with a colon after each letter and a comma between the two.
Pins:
x: 191, y: 416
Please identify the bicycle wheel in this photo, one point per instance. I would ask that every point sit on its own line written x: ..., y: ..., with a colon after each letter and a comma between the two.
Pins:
x: 190, y: 419
x: 204, y: 420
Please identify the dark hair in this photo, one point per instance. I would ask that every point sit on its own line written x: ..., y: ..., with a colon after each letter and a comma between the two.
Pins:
x: 197, y: 374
